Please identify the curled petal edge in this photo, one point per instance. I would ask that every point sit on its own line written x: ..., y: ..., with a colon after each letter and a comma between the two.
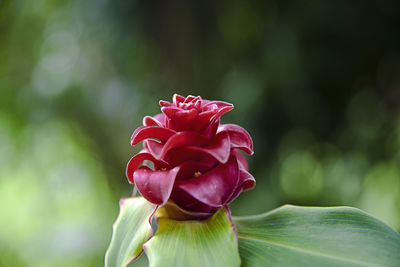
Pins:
x: 147, y: 132
x: 215, y: 187
x: 137, y: 160
x: 219, y: 149
x: 155, y: 186
x: 157, y: 120
x: 182, y: 139
x: 240, y: 138
x: 246, y: 182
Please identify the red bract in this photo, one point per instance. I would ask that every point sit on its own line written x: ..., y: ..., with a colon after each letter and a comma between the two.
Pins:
x: 196, y: 160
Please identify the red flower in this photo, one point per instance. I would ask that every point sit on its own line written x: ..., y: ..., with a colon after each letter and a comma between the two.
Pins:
x: 196, y: 162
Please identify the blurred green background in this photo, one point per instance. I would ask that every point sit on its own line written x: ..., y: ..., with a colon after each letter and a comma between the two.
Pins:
x: 316, y: 83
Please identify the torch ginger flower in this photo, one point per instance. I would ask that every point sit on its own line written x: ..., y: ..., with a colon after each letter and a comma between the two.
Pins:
x: 196, y: 160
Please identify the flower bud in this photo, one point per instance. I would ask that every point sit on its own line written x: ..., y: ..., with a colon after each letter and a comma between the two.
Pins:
x: 197, y: 162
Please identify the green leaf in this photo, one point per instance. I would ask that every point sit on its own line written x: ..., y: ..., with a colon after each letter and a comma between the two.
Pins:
x: 305, y: 236
x: 130, y: 231
x: 210, y: 242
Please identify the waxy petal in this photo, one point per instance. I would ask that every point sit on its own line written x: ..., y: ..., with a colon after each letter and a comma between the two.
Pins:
x: 215, y: 187
x: 150, y: 121
x: 190, y: 203
x: 214, y: 121
x: 241, y: 159
x: 189, y: 98
x: 177, y: 99
x: 146, y: 132
x: 170, y: 111
x: 157, y: 120
x: 183, y: 139
x: 219, y: 104
x: 189, y: 169
x: 153, y: 147
x: 211, y: 129
x: 206, y: 115
x: 155, y: 186
x: 193, y: 113
x: 165, y: 103
x: 239, y: 137
x: 180, y: 155
x: 246, y: 181
x: 182, y: 120
x: 219, y: 149
x: 138, y: 159
x: 220, y: 107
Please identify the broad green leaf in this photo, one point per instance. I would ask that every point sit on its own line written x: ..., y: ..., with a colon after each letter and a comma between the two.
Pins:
x: 130, y: 231
x: 305, y: 236
x: 210, y: 242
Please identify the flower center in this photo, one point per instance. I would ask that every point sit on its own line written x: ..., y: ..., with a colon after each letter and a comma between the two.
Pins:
x: 194, y: 103
x: 196, y: 174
